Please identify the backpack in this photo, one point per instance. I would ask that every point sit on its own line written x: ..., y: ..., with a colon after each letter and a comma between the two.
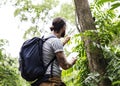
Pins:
x: 31, y: 63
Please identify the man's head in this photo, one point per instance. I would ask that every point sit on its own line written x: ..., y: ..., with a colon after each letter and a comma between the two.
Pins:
x: 59, y: 26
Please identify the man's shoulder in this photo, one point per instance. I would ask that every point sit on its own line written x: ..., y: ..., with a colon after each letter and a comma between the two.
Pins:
x: 54, y: 40
x: 52, y: 37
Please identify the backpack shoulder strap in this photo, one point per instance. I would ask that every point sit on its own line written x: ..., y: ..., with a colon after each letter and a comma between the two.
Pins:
x: 55, y: 56
x: 51, y: 62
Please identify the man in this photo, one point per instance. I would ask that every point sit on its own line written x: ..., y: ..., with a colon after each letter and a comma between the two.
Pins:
x: 54, y: 47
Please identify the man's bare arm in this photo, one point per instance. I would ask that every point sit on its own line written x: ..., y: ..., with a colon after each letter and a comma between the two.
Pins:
x: 66, y: 40
x: 63, y: 62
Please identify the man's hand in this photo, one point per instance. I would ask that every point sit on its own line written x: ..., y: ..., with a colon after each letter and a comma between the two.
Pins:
x: 66, y: 40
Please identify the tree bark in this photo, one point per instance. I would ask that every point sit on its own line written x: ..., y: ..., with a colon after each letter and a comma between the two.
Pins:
x: 95, y: 56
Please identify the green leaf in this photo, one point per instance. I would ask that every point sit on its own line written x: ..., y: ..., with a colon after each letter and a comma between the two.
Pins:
x: 115, y: 83
x: 114, y: 6
x: 17, y: 12
x: 100, y: 2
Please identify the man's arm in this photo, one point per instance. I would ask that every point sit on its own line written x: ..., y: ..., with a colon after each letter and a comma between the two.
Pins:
x: 63, y: 61
x: 66, y: 40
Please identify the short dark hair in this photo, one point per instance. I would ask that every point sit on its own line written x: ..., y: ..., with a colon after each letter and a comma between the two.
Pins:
x: 57, y: 24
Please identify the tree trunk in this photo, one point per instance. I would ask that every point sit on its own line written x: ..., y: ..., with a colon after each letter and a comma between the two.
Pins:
x: 94, y: 54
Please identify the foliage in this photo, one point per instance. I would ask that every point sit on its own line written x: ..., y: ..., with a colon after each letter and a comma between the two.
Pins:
x: 113, y: 69
x: 77, y: 74
x: 38, y: 15
x: 108, y: 30
x: 115, y: 3
x: 33, y: 31
x: 39, y: 10
x: 9, y: 75
x: 67, y: 12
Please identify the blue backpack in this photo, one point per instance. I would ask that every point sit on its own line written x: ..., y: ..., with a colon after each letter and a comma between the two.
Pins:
x: 31, y: 63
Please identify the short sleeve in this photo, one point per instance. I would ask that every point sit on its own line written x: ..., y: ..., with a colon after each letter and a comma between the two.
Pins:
x: 57, y: 45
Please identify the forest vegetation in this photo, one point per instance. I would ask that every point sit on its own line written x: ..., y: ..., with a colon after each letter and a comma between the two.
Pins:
x: 103, y: 40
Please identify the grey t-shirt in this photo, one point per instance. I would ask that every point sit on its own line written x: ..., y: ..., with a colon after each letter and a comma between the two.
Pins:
x: 50, y: 47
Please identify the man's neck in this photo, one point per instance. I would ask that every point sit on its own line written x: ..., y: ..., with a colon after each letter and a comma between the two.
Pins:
x: 56, y: 34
